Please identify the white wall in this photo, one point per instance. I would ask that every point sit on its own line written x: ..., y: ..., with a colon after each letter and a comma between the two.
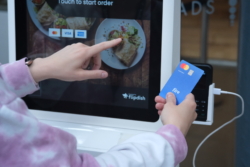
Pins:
x: 3, y: 37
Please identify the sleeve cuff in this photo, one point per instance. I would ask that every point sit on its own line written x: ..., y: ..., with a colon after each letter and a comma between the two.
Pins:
x: 18, y: 78
x: 176, y: 139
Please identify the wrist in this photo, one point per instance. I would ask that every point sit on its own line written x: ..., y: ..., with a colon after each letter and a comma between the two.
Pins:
x: 181, y: 128
x: 39, y: 70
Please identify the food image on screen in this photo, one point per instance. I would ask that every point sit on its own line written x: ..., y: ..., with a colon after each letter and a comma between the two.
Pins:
x: 80, y: 23
x: 60, y: 23
x: 38, y: 2
x: 45, y: 17
x: 130, y: 51
x: 129, y: 65
x: 126, y: 51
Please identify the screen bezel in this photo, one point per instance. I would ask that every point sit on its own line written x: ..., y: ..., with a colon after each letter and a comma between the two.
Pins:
x: 171, y: 52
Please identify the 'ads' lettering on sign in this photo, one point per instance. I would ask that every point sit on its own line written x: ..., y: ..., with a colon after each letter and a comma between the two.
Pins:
x: 196, y: 7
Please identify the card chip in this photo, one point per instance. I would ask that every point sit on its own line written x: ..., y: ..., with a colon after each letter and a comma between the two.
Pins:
x: 190, y: 72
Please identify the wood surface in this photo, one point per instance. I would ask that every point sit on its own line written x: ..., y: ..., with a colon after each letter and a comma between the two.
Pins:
x: 222, y: 37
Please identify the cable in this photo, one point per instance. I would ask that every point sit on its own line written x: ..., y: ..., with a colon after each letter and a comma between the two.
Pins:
x: 218, y: 92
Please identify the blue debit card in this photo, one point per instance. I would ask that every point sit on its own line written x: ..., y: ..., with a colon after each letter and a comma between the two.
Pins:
x: 182, y: 81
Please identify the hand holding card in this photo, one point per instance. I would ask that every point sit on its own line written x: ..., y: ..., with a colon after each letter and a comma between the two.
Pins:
x: 181, y: 115
x: 182, y: 81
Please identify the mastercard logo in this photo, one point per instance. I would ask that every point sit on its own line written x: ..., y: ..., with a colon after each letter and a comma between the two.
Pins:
x: 54, y: 32
x: 184, y: 66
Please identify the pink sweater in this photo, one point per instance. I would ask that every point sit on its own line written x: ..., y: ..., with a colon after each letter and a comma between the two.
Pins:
x: 26, y: 142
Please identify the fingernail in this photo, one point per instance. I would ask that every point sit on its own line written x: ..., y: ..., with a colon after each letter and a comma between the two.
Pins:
x: 169, y: 94
x: 104, y: 75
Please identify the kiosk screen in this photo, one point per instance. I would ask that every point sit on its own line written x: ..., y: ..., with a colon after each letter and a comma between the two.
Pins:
x: 45, y: 26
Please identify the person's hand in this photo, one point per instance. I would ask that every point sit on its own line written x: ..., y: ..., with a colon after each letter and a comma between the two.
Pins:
x: 160, y: 102
x: 69, y: 63
x: 181, y: 115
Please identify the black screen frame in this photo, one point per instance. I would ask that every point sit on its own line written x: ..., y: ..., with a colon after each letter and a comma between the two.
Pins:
x: 148, y: 115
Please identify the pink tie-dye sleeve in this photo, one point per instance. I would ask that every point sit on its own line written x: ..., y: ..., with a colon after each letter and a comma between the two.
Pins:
x: 177, y: 141
x: 26, y: 142
x: 18, y: 78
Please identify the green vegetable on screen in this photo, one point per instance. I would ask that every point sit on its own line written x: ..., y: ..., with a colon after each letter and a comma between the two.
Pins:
x: 61, y: 21
x: 132, y: 31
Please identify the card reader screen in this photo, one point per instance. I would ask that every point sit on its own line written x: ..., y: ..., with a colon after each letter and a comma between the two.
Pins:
x: 53, y: 24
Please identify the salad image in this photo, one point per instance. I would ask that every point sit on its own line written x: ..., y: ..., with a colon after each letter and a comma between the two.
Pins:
x: 60, y: 23
x: 126, y: 51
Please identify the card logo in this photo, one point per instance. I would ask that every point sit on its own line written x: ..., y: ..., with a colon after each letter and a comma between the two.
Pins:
x: 184, y: 66
x: 67, y: 33
x: 54, y: 32
x: 133, y: 97
x: 175, y: 90
x: 80, y: 33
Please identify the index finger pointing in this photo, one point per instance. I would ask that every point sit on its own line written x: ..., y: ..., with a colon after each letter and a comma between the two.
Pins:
x: 103, y: 46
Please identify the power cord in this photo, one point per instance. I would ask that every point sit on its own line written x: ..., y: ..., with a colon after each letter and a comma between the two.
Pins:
x: 218, y: 91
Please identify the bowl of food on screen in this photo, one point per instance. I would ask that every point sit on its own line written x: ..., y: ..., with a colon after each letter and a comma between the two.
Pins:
x: 38, y: 3
x: 126, y: 51
x: 49, y: 18
x: 46, y: 16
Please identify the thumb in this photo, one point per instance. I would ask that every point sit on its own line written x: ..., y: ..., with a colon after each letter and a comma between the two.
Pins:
x: 190, y: 96
x: 92, y: 74
x: 170, y: 98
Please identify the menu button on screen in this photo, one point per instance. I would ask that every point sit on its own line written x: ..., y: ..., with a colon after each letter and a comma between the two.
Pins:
x: 80, y: 33
x: 67, y: 33
x: 54, y: 32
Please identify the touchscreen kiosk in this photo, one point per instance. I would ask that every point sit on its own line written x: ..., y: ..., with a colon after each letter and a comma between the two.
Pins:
x: 137, y: 68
